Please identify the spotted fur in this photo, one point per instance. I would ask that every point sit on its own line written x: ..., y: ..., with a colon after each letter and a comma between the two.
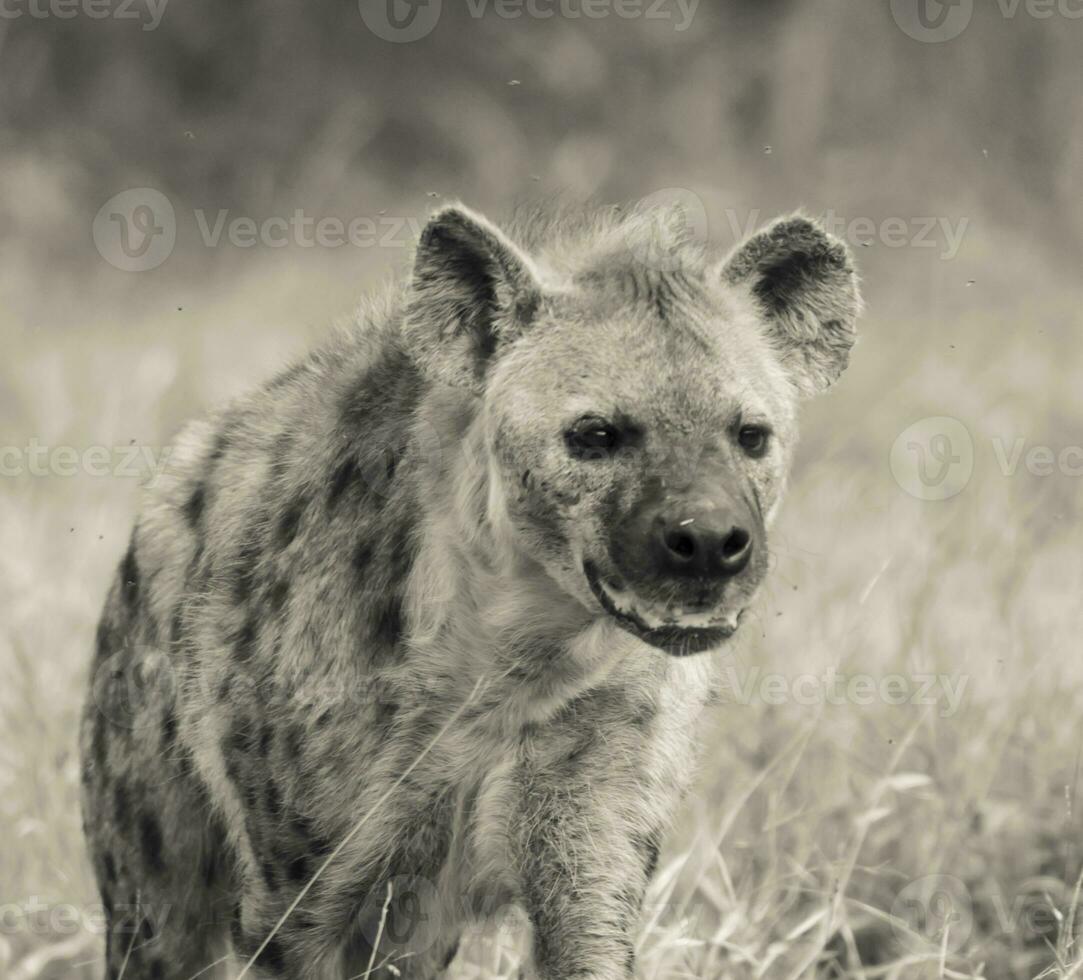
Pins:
x: 351, y: 667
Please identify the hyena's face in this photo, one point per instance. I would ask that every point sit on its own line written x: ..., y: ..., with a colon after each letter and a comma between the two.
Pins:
x: 640, y: 422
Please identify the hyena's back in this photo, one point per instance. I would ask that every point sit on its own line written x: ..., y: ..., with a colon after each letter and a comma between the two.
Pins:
x: 261, y: 597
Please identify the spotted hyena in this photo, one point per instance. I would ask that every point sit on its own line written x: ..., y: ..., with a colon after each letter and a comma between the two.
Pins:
x: 420, y: 630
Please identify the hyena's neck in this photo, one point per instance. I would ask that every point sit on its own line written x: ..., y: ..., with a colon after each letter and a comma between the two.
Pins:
x: 479, y: 609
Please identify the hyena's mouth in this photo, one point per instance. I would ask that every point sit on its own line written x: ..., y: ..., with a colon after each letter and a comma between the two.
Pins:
x: 669, y: 628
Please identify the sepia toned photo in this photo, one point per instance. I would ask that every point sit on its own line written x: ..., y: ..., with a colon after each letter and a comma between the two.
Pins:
x: 541, y: 490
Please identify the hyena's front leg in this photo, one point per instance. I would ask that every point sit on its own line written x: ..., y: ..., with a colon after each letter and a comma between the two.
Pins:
x: 586, y: 834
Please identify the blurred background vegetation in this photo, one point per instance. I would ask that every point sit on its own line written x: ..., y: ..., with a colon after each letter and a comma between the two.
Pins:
x: 263, y: 107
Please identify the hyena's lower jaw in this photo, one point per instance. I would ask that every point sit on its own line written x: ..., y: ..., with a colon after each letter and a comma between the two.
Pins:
x: 693, y: 633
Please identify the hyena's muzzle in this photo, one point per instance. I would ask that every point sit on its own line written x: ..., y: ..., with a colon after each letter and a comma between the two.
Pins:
x: 683, y: 564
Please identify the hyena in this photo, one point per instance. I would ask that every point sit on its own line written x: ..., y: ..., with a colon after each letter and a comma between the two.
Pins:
x: 420, y: 630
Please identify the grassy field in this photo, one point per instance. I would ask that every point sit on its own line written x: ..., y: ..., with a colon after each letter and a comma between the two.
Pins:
x: 890, y: 788
x: 915, y: 814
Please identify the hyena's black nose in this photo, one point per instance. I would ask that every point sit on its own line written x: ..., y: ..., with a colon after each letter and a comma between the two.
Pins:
x: 701, y: 547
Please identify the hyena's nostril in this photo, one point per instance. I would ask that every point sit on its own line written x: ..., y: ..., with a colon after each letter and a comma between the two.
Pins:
x: 681, y: 543
x: 735, y: 544
x: 735, y: 550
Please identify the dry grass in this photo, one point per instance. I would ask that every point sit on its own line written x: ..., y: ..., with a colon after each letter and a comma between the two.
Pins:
x: 808, y: 846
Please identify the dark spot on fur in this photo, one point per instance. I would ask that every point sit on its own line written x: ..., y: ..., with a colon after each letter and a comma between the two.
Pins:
x: 184, y: 763
x: 193, y: 507
x: 209, y: 866
x: 150, y: 842
x: 157, y: 970
x: 245, y: 563
x: 643, y: 717
x: 221, y: 444
x: 268, y: 871
x: 385, y: 713
x: 584, y: 745
x: 224, y: 687
x: 648, y: 845
x: 278, y: 594
x: 129, y: 575
x: 176, y: 627
x: 387, y: 622
x: 273, y: 957
x: 104, y: 638
x: 146, y: 931
x: 401, y: 552
x: 345, y: 475
x: 392, y: 463
x: 314, y: 843
x: 235, y: 930
x: 122, y: 813
x: 451, y: 954
x: 229, y: 755
x: 362, y: 556
x: 266, y: 737
x: 272, y: 797
x: 99, y: 746
x: 245, y: 643
x: 109, y: 869
x: 290, y: 522
x: 169, y: 730
x: 240, y: 739
x: 295, y: 740
x: 297, y: 869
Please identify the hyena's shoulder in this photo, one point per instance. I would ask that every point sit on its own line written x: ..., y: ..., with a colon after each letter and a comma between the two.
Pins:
x: 281, y: 499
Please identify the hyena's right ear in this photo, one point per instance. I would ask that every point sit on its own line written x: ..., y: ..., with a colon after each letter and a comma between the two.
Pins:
x: 472, y: 291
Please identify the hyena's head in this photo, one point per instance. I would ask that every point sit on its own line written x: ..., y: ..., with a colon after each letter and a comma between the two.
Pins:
x: 637, y: 400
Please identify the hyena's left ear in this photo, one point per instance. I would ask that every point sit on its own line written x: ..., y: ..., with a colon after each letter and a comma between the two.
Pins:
x: 805, y: 283
x: 472, y: 291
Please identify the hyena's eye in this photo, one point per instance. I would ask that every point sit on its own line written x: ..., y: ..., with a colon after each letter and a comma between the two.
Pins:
x: 593, y: 439
x: 753, y: 439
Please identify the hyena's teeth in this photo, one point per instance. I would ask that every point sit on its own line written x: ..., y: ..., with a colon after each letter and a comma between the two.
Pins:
x: 655, y: 615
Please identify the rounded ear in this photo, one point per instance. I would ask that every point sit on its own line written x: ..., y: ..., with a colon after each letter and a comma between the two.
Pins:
x: 472, y: 291
x: 804, y: 282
